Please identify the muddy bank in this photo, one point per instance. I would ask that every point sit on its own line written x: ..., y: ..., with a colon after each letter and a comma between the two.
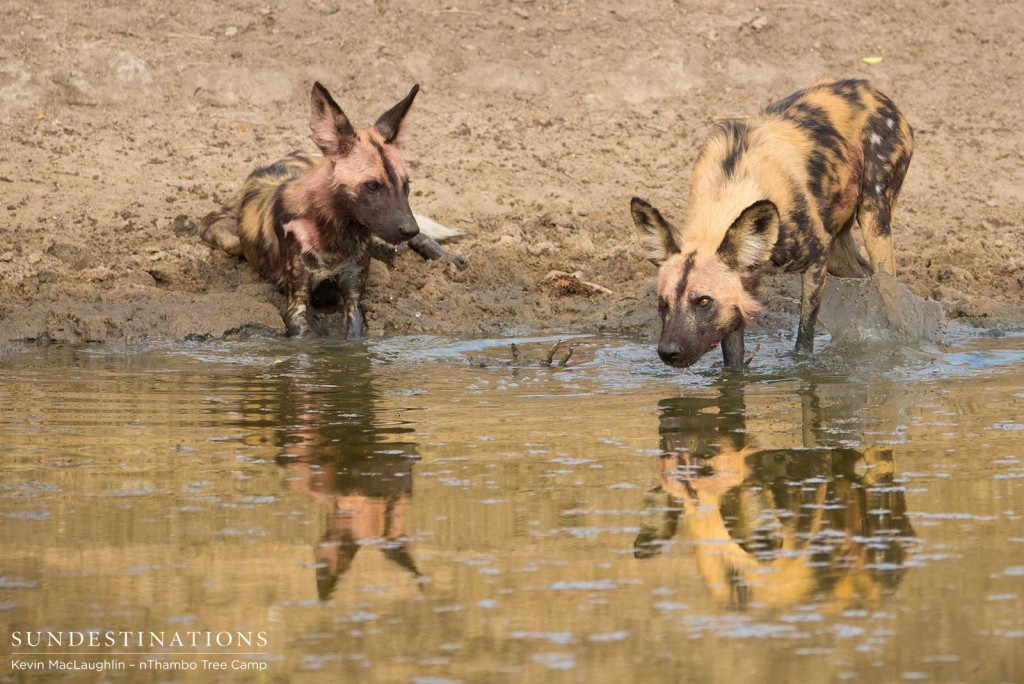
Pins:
x: 536, y: 123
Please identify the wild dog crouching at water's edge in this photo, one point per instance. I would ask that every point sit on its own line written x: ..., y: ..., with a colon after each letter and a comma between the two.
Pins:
x: 308, y: 223
x: 783, y: 187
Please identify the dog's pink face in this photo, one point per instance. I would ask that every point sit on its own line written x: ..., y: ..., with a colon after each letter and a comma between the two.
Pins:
x: 368, y: 175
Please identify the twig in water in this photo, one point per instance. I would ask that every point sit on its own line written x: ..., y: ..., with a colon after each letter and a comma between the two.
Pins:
x: 752, y: 354
x: 568, y: 356
x: 551, y: 353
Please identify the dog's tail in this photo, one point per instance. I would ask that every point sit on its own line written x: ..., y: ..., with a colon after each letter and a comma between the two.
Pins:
x: 221, y: 214
x: 435, y: 230
x: 214, y: 232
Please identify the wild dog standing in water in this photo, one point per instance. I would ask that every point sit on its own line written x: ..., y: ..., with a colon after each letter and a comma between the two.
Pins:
x: 785, y: 186
x: 308, y: 223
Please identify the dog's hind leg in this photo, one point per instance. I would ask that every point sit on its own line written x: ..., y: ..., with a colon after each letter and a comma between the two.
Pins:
x: 844, y: 259
x: 892, y: 146
x: 875, y: 219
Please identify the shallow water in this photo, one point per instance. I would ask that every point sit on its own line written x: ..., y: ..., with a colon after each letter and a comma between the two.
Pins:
x: 419, y: 510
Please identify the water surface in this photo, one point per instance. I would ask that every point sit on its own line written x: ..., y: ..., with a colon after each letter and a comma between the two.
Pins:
x: 424, y: 510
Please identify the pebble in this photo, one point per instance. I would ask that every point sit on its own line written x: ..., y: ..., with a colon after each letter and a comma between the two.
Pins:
x: 541, y: 248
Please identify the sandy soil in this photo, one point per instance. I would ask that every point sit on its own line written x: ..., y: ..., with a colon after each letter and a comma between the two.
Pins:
x: 122, y: 125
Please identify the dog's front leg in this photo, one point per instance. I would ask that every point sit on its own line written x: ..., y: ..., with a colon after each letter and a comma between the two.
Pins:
x: 296, y: 291
x: 429, y: 248
x: 810, y: 303
x: 352, y: 284
x: 732, y: 349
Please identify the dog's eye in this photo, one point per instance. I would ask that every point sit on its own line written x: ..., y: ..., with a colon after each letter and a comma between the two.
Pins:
x: 704, y: 302
x: 405, y: 187
x: 662, y: 307
x: 371, y: 186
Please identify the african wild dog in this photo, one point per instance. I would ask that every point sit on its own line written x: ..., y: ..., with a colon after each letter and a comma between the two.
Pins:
x: 308, y: 222
x: 785, y: 186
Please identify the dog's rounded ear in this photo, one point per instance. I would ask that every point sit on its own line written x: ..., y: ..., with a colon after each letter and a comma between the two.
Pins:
x: 332, y: 132
x: 389, y: 125
x: 751, y: 237
x: 656, y: 234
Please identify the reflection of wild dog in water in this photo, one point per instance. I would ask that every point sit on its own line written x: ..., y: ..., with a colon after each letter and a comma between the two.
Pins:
x: 785, y: 186
x: 777, y: 526
x: 368, y: 497
x: 336, y: 447
x: 309, y: 221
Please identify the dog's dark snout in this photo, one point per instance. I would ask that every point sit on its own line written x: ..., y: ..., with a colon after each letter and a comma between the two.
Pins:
x: 669, y: 353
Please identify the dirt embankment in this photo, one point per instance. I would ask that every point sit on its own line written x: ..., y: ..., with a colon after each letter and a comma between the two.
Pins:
x: 537, y: 121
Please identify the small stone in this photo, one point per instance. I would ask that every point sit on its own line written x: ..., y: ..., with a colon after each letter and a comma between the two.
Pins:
x: 541, y: 248
x: 183, y: 225
x: 231, y: 31
x: 759, y: 23
x: 948, y: 294
x: 97, y: 274
x: 563, y: 284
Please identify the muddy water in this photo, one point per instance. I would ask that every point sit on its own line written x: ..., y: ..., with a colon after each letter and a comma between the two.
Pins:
x: 420, y: 510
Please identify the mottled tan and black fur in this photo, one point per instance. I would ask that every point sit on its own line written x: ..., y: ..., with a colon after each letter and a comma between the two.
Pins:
x: 308, y: 222
x: 783, y: 187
